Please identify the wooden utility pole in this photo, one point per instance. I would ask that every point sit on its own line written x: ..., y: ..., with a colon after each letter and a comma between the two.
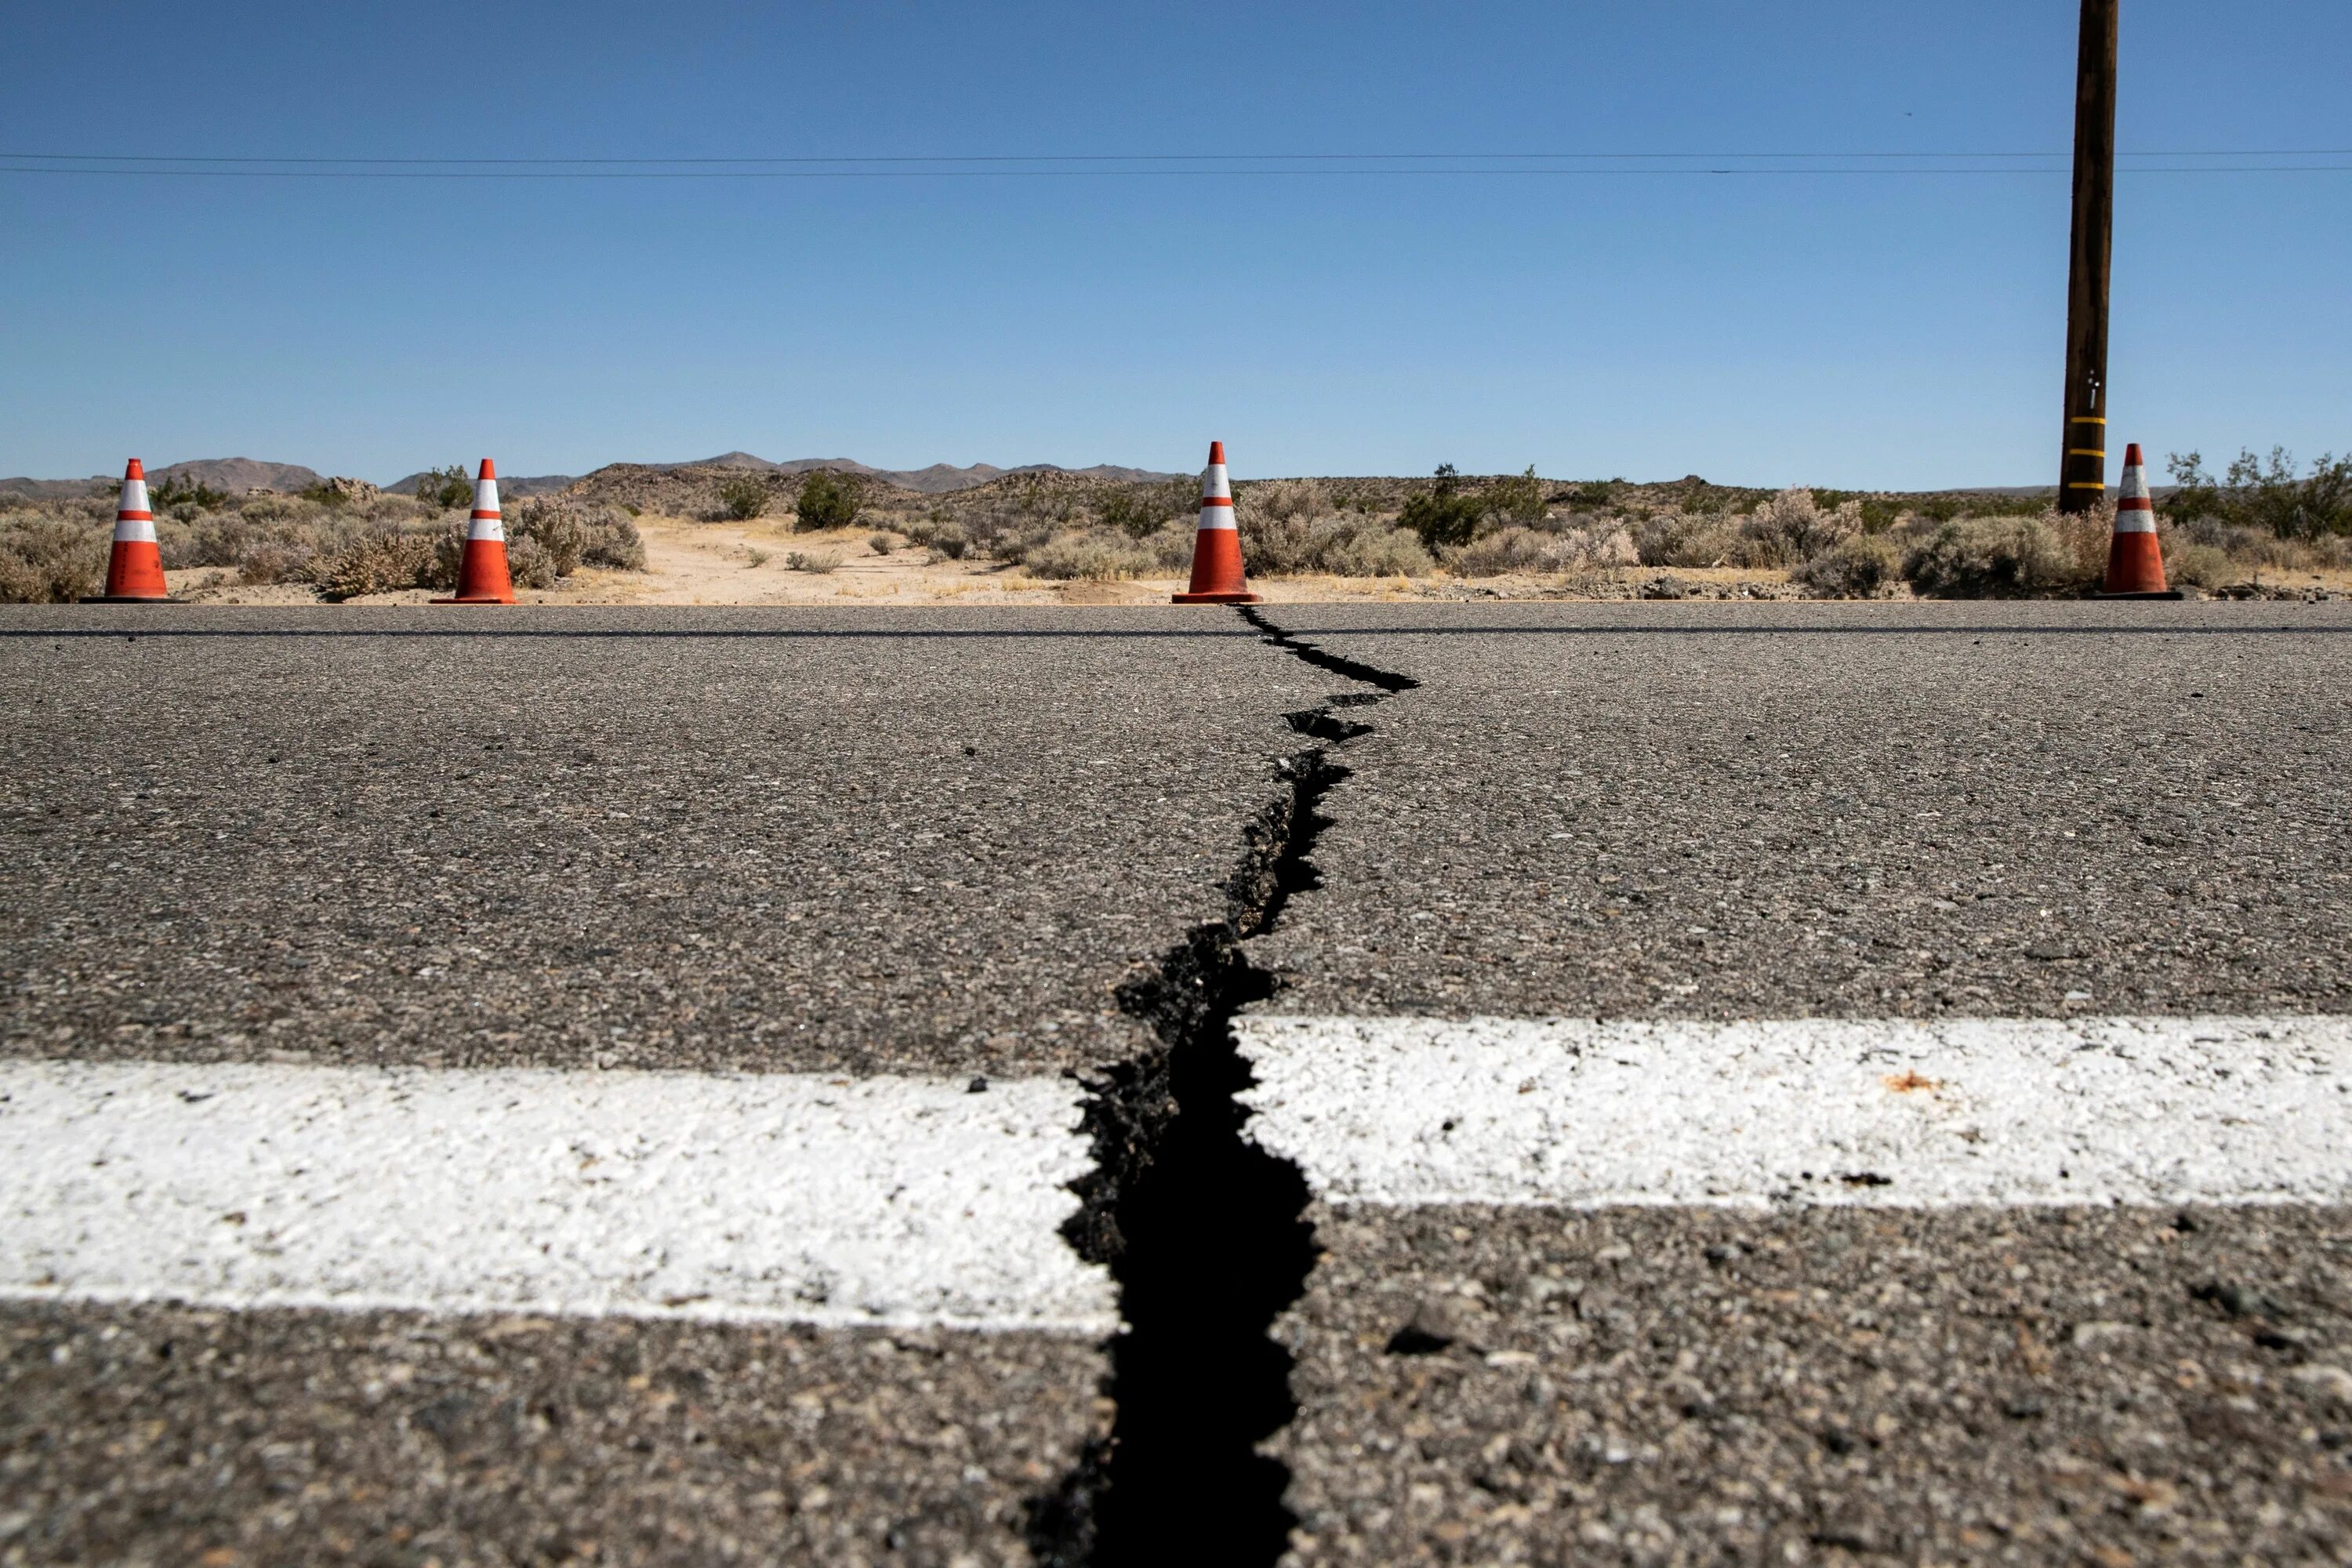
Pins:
x: 2083, y: 471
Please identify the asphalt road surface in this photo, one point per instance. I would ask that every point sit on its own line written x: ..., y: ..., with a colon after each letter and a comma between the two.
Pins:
x: 1794, y: 1083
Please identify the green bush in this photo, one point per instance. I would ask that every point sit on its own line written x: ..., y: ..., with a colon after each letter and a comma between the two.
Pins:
x: 742, y: 498
x: 1444, y: 513
x: 180, y: 490
x: 1518, y: 500
x: 2265, y: 494
x: 828, y: 499
x: 446, y: 488
x: 1138, y: 511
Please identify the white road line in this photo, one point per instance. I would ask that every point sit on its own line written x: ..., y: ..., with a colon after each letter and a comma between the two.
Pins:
x: 1586, y: 1114
x: 788, y: 1198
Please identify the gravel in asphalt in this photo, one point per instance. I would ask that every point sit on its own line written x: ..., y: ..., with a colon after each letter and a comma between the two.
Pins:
x: 1847, y: 811
x: 867, y: 841
x: 1484, y: 1385
x: 1841, y: 810
x: 170, y: 1436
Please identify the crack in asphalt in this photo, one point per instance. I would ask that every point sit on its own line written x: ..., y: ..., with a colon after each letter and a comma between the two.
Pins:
x: 1203, y: 1231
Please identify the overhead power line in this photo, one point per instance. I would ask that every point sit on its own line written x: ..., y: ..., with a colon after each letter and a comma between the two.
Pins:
x: 1639, y: 164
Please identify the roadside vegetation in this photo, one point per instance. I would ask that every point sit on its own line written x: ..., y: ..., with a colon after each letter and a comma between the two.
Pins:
x: 339, y: 541
x: 2263, y: 526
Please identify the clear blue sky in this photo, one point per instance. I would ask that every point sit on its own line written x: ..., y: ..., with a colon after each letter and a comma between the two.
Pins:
x: 1848, y: 330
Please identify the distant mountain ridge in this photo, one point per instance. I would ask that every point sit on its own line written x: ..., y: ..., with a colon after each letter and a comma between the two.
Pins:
x: 511, y: 486
x: 238, y: 475
x: 939, y: 478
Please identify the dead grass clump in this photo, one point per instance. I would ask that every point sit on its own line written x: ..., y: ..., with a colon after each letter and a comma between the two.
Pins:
x: 46, y: 558
x: 817, y: 561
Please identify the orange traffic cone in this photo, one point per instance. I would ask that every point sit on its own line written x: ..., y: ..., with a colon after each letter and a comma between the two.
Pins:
x: 2135, y: 561
x: 1216, y: 544
x: 482, y: 570
x: 134, y: 570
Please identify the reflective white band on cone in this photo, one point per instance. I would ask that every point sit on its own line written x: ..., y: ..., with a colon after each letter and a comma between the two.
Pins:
x: 1216, y: 498
x: 486, y: 521
x: 132, y: 519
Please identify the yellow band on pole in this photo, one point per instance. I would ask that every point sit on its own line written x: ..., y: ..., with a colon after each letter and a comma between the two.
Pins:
x: 2087, y: 419
x: 2083, y: 452
x: 2086, y: 485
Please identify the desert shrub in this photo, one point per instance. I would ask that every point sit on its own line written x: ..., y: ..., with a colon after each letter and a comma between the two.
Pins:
x: 1170, y: 547
x: 1595, y: 495
x: 1140, y: 510
x: 1519, y: 499
x: 2264, y: 494
x: 2189, y: 564
x: 445, y: 488
x: 1679, y: 538
x: 2006, y: 558
x: 1285, y: 500
x: 179, y: 490
x: 881, y: 544
x: 558, y: 533
x: 575, y: 534
x: 1375, y: 550
x: 1444, y: 513
x: 755, y: 558
x: 1516, y: 549
x: 817, y: 561
x: 530, y: 563
x: 742, y: 498
x: 386, y: 561
x: 1856, y: 566
x: 828, y: 499
x: 1094, y: 556
x: 1346, y: 545
x: 1790, y: 528
x: 50, y: 559
x: 276, y: 560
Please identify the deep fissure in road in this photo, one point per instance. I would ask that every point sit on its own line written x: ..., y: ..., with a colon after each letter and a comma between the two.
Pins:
x: 1203, y: 1230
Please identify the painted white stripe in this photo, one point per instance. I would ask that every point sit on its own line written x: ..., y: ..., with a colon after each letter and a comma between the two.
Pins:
x: 1902, y: 1113
x: 879, y: 1201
